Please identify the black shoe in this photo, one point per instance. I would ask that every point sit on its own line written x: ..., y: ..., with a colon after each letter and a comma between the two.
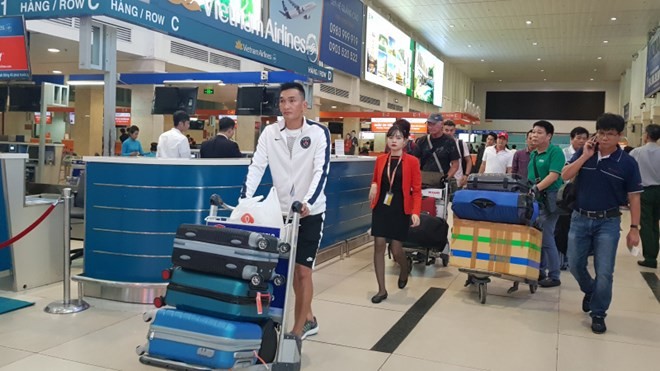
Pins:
x: 403, y: 283
x: 598, y: 325
x: 647, y: 264
x: 378, y: 298
x: 586, y: 303
x: 549, y: 282
x: 542, y: 276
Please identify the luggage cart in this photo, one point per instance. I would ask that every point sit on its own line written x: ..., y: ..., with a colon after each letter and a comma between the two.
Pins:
x: 482, y: 278
x: 288, y: 356
x: 415, y: 253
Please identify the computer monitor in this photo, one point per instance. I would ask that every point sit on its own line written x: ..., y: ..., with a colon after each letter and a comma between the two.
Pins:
x: 168, y: 100
x: 25, y: 98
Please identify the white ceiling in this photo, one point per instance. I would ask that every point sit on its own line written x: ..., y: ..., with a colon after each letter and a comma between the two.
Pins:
x: 569, y: 35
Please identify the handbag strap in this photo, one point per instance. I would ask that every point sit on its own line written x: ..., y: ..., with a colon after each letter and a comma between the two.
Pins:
x: 435, y: 156
x: 536, y: 169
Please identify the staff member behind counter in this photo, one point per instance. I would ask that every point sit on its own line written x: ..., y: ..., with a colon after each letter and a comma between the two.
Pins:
x: 173, y: 143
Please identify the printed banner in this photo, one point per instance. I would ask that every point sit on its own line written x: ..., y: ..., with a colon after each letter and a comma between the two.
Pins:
x: 14, y: 58
x: 342, y: 35
x: 653, y: 65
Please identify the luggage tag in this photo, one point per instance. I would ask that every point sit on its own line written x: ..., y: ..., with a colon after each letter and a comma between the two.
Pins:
x: 260, y: 309
x: 388, y: 198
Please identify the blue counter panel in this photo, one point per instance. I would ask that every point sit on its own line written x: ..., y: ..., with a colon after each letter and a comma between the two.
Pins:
x: 5, y: 254
x: 134, y: 209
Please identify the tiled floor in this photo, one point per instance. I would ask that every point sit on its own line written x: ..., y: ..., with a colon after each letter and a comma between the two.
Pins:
x: 544, y: 331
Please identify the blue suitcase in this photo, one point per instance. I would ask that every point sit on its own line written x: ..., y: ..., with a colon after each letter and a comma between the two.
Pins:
x: 203, y: 341
x: 496, y: 207
x: 216, y: 296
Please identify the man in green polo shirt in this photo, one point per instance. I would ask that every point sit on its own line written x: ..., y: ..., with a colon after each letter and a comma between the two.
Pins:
x: 545, y: 165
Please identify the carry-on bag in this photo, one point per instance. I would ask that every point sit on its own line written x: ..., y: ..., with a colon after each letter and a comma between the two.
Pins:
x: 215, y: 296
x: 227, y: 252
x: 431, y: 232
x: 498, y: 182
x: 496, y: 207
x: 199, y: 340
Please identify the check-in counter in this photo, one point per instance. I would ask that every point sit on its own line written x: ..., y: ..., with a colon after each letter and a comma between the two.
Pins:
x: 133, y: 207
x: 36, y: 259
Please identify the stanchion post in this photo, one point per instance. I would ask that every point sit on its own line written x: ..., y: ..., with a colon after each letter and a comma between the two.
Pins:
x: 66, y: 306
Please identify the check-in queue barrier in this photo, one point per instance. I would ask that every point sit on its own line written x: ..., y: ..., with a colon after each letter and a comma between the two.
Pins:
x: 66, y: 306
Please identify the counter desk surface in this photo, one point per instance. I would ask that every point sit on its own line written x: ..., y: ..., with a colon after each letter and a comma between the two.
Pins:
x: 133, y: 207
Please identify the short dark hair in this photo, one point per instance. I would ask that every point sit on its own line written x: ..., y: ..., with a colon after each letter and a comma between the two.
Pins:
x: 492, y: 134
x: 397, y: 129
x: 179, y: 117
x: 122, y: 130
x: 653, y: 131
x: 404, y: 125
x: 546, y: 125
x: 226, y: 123
x: 449, y: 123
x: 133, y: 129
x: 154, y: 146
x: 529, y: 132
x: 293, y: 85
x: 579, y: 131
x: 610, y: 121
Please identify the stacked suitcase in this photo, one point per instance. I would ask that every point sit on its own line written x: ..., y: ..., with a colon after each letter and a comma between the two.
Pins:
x: 219, y: 292
x: 492, y: 229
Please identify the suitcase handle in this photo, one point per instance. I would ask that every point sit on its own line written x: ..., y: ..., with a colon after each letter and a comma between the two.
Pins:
x: 483, y: 203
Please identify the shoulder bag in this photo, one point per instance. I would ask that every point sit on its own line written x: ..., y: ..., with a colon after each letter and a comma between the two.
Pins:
x: 433, y: 179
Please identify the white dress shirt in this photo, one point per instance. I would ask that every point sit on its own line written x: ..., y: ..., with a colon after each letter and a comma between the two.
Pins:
x: 173, y: 144
x: 497, y: 162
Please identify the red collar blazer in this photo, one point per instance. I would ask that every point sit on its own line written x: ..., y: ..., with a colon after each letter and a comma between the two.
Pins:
x: 412, y: 182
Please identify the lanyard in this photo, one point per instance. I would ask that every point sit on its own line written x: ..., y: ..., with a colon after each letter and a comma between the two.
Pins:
x: 390, y: 176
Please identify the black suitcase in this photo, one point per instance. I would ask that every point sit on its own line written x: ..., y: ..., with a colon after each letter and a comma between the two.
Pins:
x: 431, y: 232
x: 498, y: 182
x: 227, y: 252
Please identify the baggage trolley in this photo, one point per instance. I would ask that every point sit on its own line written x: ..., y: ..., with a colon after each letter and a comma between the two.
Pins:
x: 428, y: 255
x: 288, y: 356
x: 482, y: 278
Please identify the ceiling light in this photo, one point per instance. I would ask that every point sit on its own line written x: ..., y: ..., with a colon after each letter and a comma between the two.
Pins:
x: 193, y: 82
x: 53, y: 50
x: 57, y: 72
x: 595, y: 69
x: 605, y: 41
x: 86, y: 82
x: 613, y: 19
x: 469, y: 45
x: 591, y: 79
x: 483, y: 60
x: 500, y: 80
x: 451, y: 26
x: 599, y: 58
x: 538, y: 59
x: 333, y: 107
x: 542, y: 70
x: 492, y: 71
x: 545, y: 79
x: 535, y: 43
x: 528, y: 22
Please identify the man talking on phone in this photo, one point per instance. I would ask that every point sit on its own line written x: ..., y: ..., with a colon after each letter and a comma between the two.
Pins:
x: 607, y: 179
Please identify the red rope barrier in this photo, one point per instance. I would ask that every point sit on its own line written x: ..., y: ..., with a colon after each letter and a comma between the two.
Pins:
x: 29, y: 228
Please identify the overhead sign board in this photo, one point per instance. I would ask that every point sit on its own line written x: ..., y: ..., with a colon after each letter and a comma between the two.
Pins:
x: 389, y: 54
x: 653, y: 65
x: 14, y: 57
x: 428, y: 77
x: 214, y: 23
x: 342, y: 33
x: 383, y: 124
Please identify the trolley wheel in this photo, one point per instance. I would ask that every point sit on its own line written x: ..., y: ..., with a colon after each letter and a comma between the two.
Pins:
x: 430, y: 261
x: 279, y: 280
x: 483, y: 292
x: 159, y: 301
x: 256, y: 280
x: 469, y: 281
x: 148, y: 316
x: 141, y: 350
x: 166, y: 274
x: 283, y: 248
x: 445, y: 260
x: 533, y: 287
x: 262, y: 243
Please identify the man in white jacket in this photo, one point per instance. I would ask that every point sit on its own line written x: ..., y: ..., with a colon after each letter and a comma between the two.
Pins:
x: 297, y: 151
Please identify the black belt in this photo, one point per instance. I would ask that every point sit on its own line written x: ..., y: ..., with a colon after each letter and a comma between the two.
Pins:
x: 611, y: 213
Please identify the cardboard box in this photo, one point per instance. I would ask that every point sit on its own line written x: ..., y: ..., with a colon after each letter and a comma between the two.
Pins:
x: 496, y: 247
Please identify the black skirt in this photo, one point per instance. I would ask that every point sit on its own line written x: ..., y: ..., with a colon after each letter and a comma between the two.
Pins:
x: 390, y: 221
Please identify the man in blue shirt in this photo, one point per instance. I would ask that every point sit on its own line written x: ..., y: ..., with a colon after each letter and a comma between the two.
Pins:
x: 607, y: 178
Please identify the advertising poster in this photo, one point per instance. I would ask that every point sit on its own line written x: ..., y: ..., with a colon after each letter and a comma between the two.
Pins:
x: 389, y: 54
x: 342, y: 35
x: 653, y: 65
x: 429, y: 77
x: 14, y: 58
x: 302, y: 20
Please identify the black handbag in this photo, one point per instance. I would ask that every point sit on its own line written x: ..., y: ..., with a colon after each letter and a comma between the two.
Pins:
x: 566, y: 196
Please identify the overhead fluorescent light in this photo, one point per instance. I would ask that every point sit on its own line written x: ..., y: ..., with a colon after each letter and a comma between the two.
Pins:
x: 535, y: 43
x: 538, y: 59
x: 613, y: 19
x: 451, y: 26
x: 492, y: 71
x: 333, y: 107
x: 86, y: 83
x: 483, y: 60
x: 528, y: 22
x: 53, y: 50
x: 57, y: 72
x: 605, y: 41
x: 599, y: 58
x: 193, y: 82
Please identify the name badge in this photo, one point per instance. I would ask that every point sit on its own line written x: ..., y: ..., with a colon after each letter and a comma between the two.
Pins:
x: 388, y: 198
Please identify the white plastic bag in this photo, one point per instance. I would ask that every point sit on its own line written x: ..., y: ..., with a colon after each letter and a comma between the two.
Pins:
x: 255, y: 211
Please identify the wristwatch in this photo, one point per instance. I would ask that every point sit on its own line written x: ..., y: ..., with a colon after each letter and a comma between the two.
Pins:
x: 634, y: 226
